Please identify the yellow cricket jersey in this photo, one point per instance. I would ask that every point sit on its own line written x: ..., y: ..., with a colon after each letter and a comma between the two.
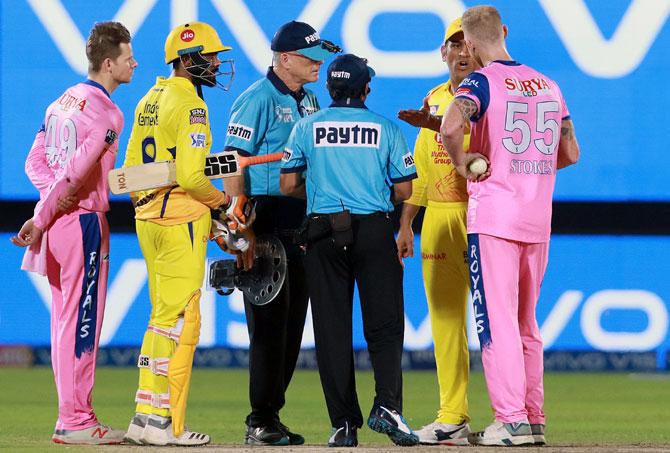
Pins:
x: 172, y: 122
x: 437, y: 179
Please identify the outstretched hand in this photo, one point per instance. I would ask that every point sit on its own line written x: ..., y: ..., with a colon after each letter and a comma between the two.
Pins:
x: 421, y: 118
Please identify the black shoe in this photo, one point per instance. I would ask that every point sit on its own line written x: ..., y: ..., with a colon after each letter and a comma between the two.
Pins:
x: 343, y: 436
x: 293, y: 438
x: 392, y: 423
x: 265, y: 435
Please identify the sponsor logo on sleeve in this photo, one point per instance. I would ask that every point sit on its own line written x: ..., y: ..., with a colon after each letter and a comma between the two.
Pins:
x: 198, y: 140
x: 468, y: 82
x: 462, y: 92
x: 287, y: 155
x: 408, y: 160
x: 198, y: 116
x: 110, y: 137
x: 347, y: 133
x: 240, y: 131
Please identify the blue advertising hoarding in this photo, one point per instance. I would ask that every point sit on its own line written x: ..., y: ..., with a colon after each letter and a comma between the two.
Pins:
x: 600, y: 293
x: 609, y: 57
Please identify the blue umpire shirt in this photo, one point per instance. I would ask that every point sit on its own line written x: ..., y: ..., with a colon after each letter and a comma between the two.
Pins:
x: 261, y: 120
x: 351, y: 157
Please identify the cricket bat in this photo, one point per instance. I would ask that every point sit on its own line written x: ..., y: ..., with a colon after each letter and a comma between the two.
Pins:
x: 164, y: 174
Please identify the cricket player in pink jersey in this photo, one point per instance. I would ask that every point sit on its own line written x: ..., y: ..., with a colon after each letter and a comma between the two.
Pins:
x: 68, y: 234
x: 521, y: 126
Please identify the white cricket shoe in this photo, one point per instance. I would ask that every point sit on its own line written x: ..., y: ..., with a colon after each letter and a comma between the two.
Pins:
x: 95, y: 435
x: 158, y: 431
x: 444, y: 434
x: 136, y: 428
x: 505, y: 434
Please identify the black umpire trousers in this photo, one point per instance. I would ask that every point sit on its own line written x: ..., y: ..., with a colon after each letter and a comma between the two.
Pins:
x: 372, y: 263
x: 275, y: 329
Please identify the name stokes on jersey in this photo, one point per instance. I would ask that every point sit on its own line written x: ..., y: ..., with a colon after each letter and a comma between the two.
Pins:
x: 531, y: 167
x: 347, y: 133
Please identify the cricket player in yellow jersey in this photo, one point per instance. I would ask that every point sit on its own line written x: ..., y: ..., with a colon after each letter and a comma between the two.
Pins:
x: 443, y: 245
x: 173, y: 227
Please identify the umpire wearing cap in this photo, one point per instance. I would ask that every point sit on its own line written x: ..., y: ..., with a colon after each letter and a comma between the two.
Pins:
x: 356, y: 165
x: 261, y: 120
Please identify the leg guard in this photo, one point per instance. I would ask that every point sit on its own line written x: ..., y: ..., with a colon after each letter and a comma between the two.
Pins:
x: 158, y: 346
x: 181, y: 363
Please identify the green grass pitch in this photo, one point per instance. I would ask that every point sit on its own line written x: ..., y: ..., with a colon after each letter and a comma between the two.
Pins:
x: 582, y: 409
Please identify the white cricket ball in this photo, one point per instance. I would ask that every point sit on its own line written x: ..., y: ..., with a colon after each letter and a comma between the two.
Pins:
x: 478, y: 166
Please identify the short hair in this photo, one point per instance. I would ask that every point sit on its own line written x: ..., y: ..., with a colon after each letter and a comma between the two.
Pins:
x: 104, y: 42
x: 483, y: 23
x: 338, y: 93
x: 275, y: 57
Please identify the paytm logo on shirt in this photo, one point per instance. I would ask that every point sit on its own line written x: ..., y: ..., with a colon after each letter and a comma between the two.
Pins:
x: 347, y: 133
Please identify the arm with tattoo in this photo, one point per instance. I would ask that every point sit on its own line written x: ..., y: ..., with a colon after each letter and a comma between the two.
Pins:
x: 568, y: 149
x: 455, y: 122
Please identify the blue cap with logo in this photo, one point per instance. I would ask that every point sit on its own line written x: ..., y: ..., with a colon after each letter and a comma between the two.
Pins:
x: 304, y: 39
x: 349, y: 72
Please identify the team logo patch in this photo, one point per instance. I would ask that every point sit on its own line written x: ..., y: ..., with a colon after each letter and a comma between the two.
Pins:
x: 198, y: 140
x: 198, y: 116
x: 408, y: 160
x: 187, y: 35
x: 433, y: 109
x: 284, y: 114
x: 287, y: 155
x: 347, y: 133
x: 110, y: 137
x: 240, y: 131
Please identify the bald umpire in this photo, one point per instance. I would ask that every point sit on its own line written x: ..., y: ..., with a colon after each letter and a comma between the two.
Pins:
x: 356, y: 165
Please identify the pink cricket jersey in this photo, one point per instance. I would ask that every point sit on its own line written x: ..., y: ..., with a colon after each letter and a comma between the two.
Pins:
x: 75, y: 148
x: 517, y: 126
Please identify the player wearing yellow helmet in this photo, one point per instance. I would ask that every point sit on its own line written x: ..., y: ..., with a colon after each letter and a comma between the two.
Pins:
x: 173, y: 226
x: 443, y: 245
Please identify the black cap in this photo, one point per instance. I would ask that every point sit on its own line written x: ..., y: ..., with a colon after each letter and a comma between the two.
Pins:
x: 302, y: 38
x: 349, y: 72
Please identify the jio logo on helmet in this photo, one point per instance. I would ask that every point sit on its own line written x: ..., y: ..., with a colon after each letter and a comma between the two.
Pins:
x: 187, y: 35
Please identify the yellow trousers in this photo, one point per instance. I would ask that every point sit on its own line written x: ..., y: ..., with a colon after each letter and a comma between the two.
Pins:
x: 175, y: 258
x: 445, y: 274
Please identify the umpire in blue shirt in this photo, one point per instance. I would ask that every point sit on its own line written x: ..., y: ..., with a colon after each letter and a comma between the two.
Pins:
x: 261, y: 120
x: 356, y: 166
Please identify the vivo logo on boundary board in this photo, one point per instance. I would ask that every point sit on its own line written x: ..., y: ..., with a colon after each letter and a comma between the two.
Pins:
x: 131, y: 279
x: 595, y: 55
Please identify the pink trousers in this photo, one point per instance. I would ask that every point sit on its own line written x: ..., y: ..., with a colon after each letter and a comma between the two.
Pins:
x: 77, y: 269
x: 505, y: 279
